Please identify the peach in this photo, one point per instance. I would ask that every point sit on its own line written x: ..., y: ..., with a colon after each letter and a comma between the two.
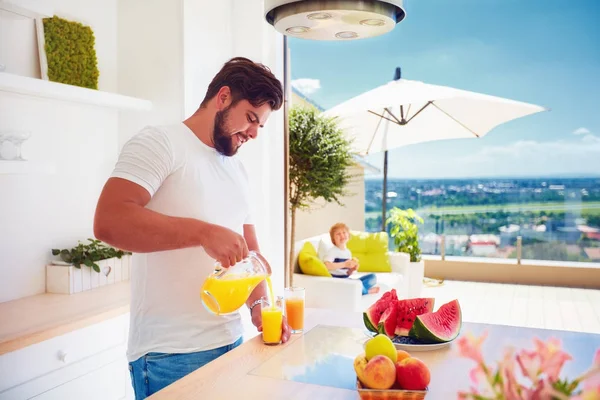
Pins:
x: 377, y: 373
x: 401, y: 355
x: 412, y: 374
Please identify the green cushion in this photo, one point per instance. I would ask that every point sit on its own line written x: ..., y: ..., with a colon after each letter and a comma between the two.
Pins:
x: 309, y: 261
x: 371, y: 250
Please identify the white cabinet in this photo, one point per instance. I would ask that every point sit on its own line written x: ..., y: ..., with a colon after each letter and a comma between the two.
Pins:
x: 87, y: 363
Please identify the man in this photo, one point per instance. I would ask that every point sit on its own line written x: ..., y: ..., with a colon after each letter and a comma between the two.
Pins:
x: 179, y: 199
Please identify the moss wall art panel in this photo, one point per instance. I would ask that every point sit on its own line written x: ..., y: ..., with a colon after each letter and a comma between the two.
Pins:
x: 70, y: 53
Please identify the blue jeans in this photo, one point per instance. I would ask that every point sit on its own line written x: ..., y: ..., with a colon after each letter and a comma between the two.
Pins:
x: 154, y: 371
x: 368, y: 282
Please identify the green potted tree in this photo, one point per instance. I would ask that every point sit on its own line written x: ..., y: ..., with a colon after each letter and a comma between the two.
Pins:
x: 405, y: 233
x: 86, y: 266
x: 319, y: 158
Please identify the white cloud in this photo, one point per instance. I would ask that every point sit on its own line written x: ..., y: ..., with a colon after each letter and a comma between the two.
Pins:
x: 521, y: 158
x: 581, y: 131
x: 591, y: 139
x: 529, y: 157
x: 307, y: 86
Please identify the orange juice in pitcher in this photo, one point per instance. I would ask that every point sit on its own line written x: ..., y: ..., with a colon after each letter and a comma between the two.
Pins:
x: 227, y: 289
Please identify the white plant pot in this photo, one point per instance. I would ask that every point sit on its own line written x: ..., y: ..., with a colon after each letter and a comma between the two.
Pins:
x: 415, y: 278
x: 66, y: 279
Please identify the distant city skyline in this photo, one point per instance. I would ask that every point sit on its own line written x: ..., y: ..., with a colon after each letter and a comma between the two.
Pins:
x: 537, y: 52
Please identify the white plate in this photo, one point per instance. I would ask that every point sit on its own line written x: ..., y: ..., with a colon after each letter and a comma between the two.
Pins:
x: 413, y: 347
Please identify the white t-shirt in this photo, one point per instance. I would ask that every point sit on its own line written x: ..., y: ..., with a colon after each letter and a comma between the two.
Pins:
x: 335, y: 252
x: 185, y: 178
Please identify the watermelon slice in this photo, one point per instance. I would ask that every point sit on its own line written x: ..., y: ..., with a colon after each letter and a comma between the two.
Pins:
x: 438, y: 327
x: 387, y: 323
x: 373, y: 314
x: 408, y: 310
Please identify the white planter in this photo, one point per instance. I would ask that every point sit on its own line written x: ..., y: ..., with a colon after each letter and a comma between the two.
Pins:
x: 416, y: 273
x: 67, y: 279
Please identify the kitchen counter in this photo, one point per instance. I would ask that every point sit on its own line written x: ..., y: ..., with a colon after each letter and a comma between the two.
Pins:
x: 34, y: 319
x: 319, y: 363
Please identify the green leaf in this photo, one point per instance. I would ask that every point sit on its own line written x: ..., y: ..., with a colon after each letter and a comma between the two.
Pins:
x: 319, y: 157
x: 55, y: 252
x: 405, y: 231
x: 96, y: 267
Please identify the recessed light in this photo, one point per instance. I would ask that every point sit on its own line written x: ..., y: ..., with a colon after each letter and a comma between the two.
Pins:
x: 346, y: 35
x: 319, y: 16
x: 372, y: 22
x: 297, y: 29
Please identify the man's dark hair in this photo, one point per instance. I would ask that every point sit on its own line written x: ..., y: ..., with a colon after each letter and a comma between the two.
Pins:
x: 247, y: 80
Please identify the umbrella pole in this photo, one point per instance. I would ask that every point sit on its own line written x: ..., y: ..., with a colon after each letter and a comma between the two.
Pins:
x: 384, y: 196
x: 397, y: 76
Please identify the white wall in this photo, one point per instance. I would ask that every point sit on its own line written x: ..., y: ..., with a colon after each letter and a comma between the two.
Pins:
x: 207, y: 44
x: 39, y: 212
x: 322, y: 215
x: 150, y: 62
x: 166, y: 52
x: 257, y: 40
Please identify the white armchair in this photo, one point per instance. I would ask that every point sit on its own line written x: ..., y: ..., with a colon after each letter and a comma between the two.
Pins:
x: 346, y: 293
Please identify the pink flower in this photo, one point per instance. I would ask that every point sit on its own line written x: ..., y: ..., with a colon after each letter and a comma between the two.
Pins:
x: 543, y: 390
x: 591, y: 379
x: 481, y: 380
x: 552, y: 357
x: 469, y: 346
x: 510, y: 387
x: 530, y: 363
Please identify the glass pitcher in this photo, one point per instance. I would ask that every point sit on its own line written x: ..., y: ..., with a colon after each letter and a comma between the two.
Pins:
x: 227, y: 289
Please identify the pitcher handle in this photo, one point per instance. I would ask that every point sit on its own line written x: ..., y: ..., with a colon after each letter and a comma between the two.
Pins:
x: 263, y: 261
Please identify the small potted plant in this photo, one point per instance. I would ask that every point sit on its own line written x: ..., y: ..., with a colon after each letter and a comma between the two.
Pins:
x: 405, y: 232
x: 86, y: 266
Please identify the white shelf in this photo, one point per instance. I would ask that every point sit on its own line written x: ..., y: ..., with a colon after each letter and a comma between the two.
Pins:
x: 59, y: 91
x: 26, y: 167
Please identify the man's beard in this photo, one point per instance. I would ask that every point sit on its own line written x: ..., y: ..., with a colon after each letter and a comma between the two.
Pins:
x: 222, y: 140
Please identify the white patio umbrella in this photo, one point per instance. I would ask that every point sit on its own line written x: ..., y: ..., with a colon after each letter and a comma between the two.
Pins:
x: 403, y: 112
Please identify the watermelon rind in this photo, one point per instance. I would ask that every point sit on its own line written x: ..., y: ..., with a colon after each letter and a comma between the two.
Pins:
x: 441, y: 326
x: 368, y: 323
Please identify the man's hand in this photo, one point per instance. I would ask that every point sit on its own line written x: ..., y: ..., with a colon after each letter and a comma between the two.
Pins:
x: 286, y: 331
x: 224, y: 245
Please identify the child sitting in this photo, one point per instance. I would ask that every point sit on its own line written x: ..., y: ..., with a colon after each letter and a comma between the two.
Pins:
x: 339, y: 260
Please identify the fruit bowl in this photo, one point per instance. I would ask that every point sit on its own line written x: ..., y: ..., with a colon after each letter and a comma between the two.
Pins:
x: 389, y: 394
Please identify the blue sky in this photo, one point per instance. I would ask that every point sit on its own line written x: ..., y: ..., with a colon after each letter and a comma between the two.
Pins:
x: 543, y: 52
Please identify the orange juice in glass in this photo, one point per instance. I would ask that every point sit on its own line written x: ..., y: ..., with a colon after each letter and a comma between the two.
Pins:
x: 294, y: 308
x: 272, y: 318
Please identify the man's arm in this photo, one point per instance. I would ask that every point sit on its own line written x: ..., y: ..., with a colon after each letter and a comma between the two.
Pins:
x: 122, y: 220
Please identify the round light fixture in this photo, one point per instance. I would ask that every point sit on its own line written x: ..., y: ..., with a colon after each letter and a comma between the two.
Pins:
x: 319, y: 16
x: 334, y: 19
x: 372, y: 22
x: 346, y: 35
x: 294, y: 30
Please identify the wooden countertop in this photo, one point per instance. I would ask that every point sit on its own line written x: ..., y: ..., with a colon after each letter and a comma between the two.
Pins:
x: 33, y: 319
x: 307, y: 366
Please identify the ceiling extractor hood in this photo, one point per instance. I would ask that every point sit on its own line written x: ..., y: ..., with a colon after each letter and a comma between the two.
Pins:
x: 334, y: 19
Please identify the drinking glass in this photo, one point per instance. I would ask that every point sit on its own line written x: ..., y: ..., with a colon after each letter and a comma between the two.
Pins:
x: 272, y: 318
x: 294, y: 308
